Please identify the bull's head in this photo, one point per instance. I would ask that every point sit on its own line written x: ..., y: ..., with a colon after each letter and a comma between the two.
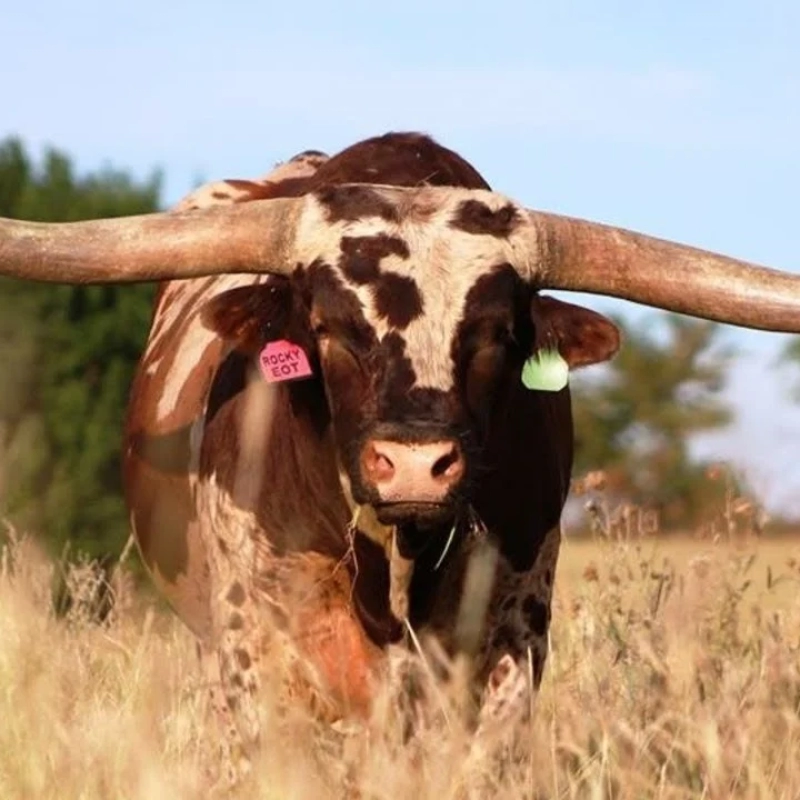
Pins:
x: 420, y: 307
x: 419, y: 320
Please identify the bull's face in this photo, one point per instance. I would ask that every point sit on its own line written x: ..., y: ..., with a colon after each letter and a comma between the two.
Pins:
x: 418, y: 330
x: 412, y: 449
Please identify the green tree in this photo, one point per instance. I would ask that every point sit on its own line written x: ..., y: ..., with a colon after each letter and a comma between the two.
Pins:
x: 635, y: 416
x: 68, y: 353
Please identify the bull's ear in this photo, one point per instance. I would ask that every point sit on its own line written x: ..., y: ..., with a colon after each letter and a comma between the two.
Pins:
x: 249, y: 316
x: 581, y: 336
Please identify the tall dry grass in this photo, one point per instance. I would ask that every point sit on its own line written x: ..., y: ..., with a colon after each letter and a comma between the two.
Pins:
x: 674, y: 673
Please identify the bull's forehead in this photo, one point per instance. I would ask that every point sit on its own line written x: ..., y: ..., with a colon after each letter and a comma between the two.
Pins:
x: 411, y: 259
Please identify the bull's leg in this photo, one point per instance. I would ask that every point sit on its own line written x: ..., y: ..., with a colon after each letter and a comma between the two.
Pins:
x: 293, y: 613
x: 228, y: 537
x: 232, y: 764
x: 237, y: 641
x: 516, y: 637
x: 513, y: 658
x: 324, y: 659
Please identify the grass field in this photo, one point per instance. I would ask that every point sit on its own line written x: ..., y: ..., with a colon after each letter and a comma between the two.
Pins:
x: 674, y: 673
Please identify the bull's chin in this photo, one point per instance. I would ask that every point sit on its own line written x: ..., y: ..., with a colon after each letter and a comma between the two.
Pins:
x: 422, y: 515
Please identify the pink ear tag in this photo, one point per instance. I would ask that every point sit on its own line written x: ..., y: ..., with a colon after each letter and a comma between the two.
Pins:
x: 284, y: 361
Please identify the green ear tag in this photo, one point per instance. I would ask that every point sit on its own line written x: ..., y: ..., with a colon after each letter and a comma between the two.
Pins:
x: 546, y: 371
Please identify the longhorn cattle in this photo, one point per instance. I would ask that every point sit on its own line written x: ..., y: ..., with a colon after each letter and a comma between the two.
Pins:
x: 343, y: 396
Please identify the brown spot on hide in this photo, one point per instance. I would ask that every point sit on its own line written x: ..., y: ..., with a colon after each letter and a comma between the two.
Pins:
x: 236, y: 594
x: 351, y: 203
x: 474, y: 216
x: 397, y: 299
x: 243, y: 657
x: 235, y: 621
x: 361, y: 255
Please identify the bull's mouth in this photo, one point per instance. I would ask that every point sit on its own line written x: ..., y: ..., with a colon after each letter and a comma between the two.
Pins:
x: 421, y: 527
x: 420, y: 515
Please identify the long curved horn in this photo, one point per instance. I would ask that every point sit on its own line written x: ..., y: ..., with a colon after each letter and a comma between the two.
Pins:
x: 251, y: 237
x: 260, y: 236
x: 589, y: 257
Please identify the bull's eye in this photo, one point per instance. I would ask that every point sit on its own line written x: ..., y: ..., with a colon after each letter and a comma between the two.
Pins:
x: 338, y: 355
x: 346, y: 379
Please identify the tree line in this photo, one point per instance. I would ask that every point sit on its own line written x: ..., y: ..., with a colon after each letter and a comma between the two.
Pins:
x: 68, y: 354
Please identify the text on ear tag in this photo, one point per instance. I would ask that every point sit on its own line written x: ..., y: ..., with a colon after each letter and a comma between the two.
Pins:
x: 545, y: 371
x: 283, y: 361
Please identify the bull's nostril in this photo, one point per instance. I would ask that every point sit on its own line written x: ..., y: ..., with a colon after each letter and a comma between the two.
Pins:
x: 382, y: 467
x: 448, y: 465
x: 378, y: 466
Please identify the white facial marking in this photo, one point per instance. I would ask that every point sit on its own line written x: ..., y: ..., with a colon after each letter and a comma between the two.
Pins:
x: 444, y: 262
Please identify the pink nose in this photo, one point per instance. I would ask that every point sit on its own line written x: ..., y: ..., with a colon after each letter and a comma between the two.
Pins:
x: 412, y: 473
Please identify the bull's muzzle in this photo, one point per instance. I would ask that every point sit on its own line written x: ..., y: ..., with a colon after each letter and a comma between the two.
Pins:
x: 412, y: 472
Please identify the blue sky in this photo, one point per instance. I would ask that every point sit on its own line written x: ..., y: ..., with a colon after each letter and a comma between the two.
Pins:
x: 678, y: 119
